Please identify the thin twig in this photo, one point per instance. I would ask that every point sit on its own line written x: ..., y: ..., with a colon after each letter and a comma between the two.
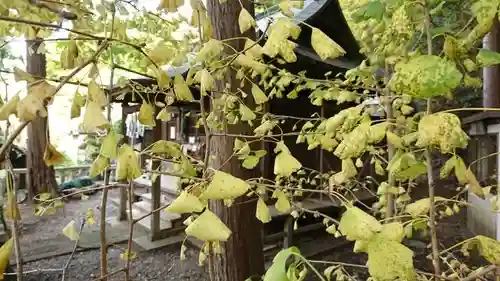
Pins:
x: 430, y: 172
x: 12, y: 204
x: 75, y: 247
x: 131, y: 232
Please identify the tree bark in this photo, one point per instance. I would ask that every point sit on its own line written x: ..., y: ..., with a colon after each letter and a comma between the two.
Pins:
x: 491, y: 75
x: 242, y: 255
x: 40, y: 177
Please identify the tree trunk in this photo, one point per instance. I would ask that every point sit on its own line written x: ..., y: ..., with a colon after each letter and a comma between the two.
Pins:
x: 491, y: 75
x: 242, y: 255
x: 40, y: 177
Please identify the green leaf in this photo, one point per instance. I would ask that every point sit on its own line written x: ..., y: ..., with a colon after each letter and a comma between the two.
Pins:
x: 324, y: 46
x: 277, y: 270
x: 487, y: 58
x: 355, y: 224
x: 389, y: 260
x: 425, y: 76
x: 225, y: 186
x: 372, y: 10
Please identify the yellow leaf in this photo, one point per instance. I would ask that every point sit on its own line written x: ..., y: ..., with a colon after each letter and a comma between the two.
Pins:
x: 185, y: 203
x: 164, y: 115
x: 181, y: 89
x: 162, y: 78
x: 33, y: 104
x: 285, y: 7
x: 70, y: 231
x: 11, y: 209
x: 147, y: 114
x: 93, y: 118
x: 98, y: 166
x: 5, y: 253
x: 246, y: 113
x: 210, y: 50
x: 488, y: 248
x: 209, y: 228
x: 285, y: 164
x: 109, y: 146
x: 128, y: 164
x: 96, y: 94
x: 324, y: 46
x: 161, y: 53
x: 21, y: 75
x: 253, y: 49
x: 421, y: 207
x: 355, y: 224
x: 245, y: 21
x: 90, y: 216
x: 207, y: 82
x: 282, y: 205
x: 166, y: 148
x: 394, y: 139
x: 447, y: 167
x: 52, y: 157
x: 225, y: 186
x: 258, y: 95
x: 389, y: 260
x: 473, y: 184
x: 9, y: 108
x: 262, y: 212
x: 128, y: 256
x: 76, y: 105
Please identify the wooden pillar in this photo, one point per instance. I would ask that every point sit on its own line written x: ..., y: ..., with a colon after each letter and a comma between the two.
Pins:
x: 122, y: 215
x: 156, y: 189
x: 491, y: 75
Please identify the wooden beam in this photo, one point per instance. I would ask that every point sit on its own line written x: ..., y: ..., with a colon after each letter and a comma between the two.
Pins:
x: 156, y: 190
x: 491, y: 75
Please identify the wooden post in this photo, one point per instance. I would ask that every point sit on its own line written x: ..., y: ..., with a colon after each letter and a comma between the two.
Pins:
x: 122, y: 215
x: 491, y: 75
x: 156, y: 189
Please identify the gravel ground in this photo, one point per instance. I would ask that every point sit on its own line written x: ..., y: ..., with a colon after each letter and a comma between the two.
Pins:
x: 165, y: 264
x: 39, y: 233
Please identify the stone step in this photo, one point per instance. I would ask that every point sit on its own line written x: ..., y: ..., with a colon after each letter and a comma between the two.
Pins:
x: 146, y: 207
x: 164, y: 198
x: 146, y: 222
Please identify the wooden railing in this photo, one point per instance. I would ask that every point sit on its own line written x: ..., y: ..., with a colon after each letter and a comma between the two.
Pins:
x: 64, y: 174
